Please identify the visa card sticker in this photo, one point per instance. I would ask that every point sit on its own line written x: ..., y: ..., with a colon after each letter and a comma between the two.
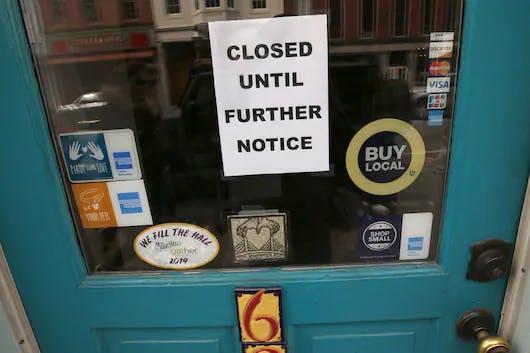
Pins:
x: 100, y: 155
x: 438, y: 84
x: 415, y: 236
x: 114, y: 204
x: 379, y: 237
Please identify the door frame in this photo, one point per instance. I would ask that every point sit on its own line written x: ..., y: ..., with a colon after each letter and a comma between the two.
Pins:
x: 483, y: 78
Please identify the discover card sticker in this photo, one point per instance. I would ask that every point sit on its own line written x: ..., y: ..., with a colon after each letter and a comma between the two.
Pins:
x: 271, y: 88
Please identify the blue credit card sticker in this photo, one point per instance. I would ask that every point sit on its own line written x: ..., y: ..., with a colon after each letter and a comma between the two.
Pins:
x: 123, y: 162
x: 415, y: 244
x: 435, y: 117
x: 129, y: 202
x: 86, y: 157
x: 379, y: 237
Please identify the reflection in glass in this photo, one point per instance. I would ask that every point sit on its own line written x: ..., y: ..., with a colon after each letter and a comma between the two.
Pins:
x: 128, y: 10
x: 90, y: 11
x: 173, y: 6
x: 259, y: 4
x: 401, y: 17
x: 428, y: 15
x: 58, y: 11
x: 212, y: 3
x: 368, y: 11
x: 153, y: 75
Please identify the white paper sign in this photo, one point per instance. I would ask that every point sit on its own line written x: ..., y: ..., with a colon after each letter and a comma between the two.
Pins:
x: 271, y: 85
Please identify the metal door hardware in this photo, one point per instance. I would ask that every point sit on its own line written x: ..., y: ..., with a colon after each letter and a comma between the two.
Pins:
x: 477, y: 325
x: 490, y: 260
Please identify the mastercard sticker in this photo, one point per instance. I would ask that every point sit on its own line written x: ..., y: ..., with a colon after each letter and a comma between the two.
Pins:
x: 439, y: 68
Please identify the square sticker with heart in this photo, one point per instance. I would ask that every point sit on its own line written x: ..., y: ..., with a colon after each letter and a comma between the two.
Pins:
x: 258, y: 237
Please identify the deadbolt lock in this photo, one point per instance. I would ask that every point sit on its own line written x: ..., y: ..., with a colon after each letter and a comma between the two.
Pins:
x: 490, y: 260
x: 477, y: 325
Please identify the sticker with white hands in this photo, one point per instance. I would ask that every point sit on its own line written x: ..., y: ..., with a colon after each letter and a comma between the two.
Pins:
x: 101, y: 155
x: 73, y: 151
x: 97, y: 153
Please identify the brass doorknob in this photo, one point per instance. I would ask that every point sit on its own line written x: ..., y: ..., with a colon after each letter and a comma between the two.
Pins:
x: 477, y: 325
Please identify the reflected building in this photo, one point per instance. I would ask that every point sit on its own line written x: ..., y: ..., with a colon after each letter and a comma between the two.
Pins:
x: 396, y: 32
x: 85, y: 40
x: 182, y: 38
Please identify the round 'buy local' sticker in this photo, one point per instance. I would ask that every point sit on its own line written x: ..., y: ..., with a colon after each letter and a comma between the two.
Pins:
x: 385, y: 156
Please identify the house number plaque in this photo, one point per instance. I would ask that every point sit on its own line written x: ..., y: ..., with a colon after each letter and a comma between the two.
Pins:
x: 259, y: 313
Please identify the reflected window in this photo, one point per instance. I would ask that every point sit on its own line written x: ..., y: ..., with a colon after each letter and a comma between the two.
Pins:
x: 428, y: 16
x: 212, y: 3
x: 196, y: 3
x: 335, y: 18
x: 259, y: 4
x: 172, y: 6
x: 401, y: 17
x: 230, y: 4
x: 368, y: 18
x: 58, y: 12
x: 128, y: 10
x: 450, y: 16
x: 90, y: 11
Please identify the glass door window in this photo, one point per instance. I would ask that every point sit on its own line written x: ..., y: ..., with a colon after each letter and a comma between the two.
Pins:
x: 148, y: 85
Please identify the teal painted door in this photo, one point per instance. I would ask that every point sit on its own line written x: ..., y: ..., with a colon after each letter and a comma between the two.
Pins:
x: 407, y: 307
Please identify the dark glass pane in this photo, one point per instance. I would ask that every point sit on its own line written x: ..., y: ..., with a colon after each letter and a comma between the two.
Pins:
x: 428, y: 15
x: 212, y: 3
x: 128, y: 9
x: 90, y: 11
x: 58, y: 11
x: 368, y: 8
x: 335, y: 18
x: 401, y: 17
x: 172, y: 6
x: 259, y: 4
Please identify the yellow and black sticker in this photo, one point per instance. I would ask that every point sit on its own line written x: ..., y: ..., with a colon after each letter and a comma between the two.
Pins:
x: 385, y: 156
